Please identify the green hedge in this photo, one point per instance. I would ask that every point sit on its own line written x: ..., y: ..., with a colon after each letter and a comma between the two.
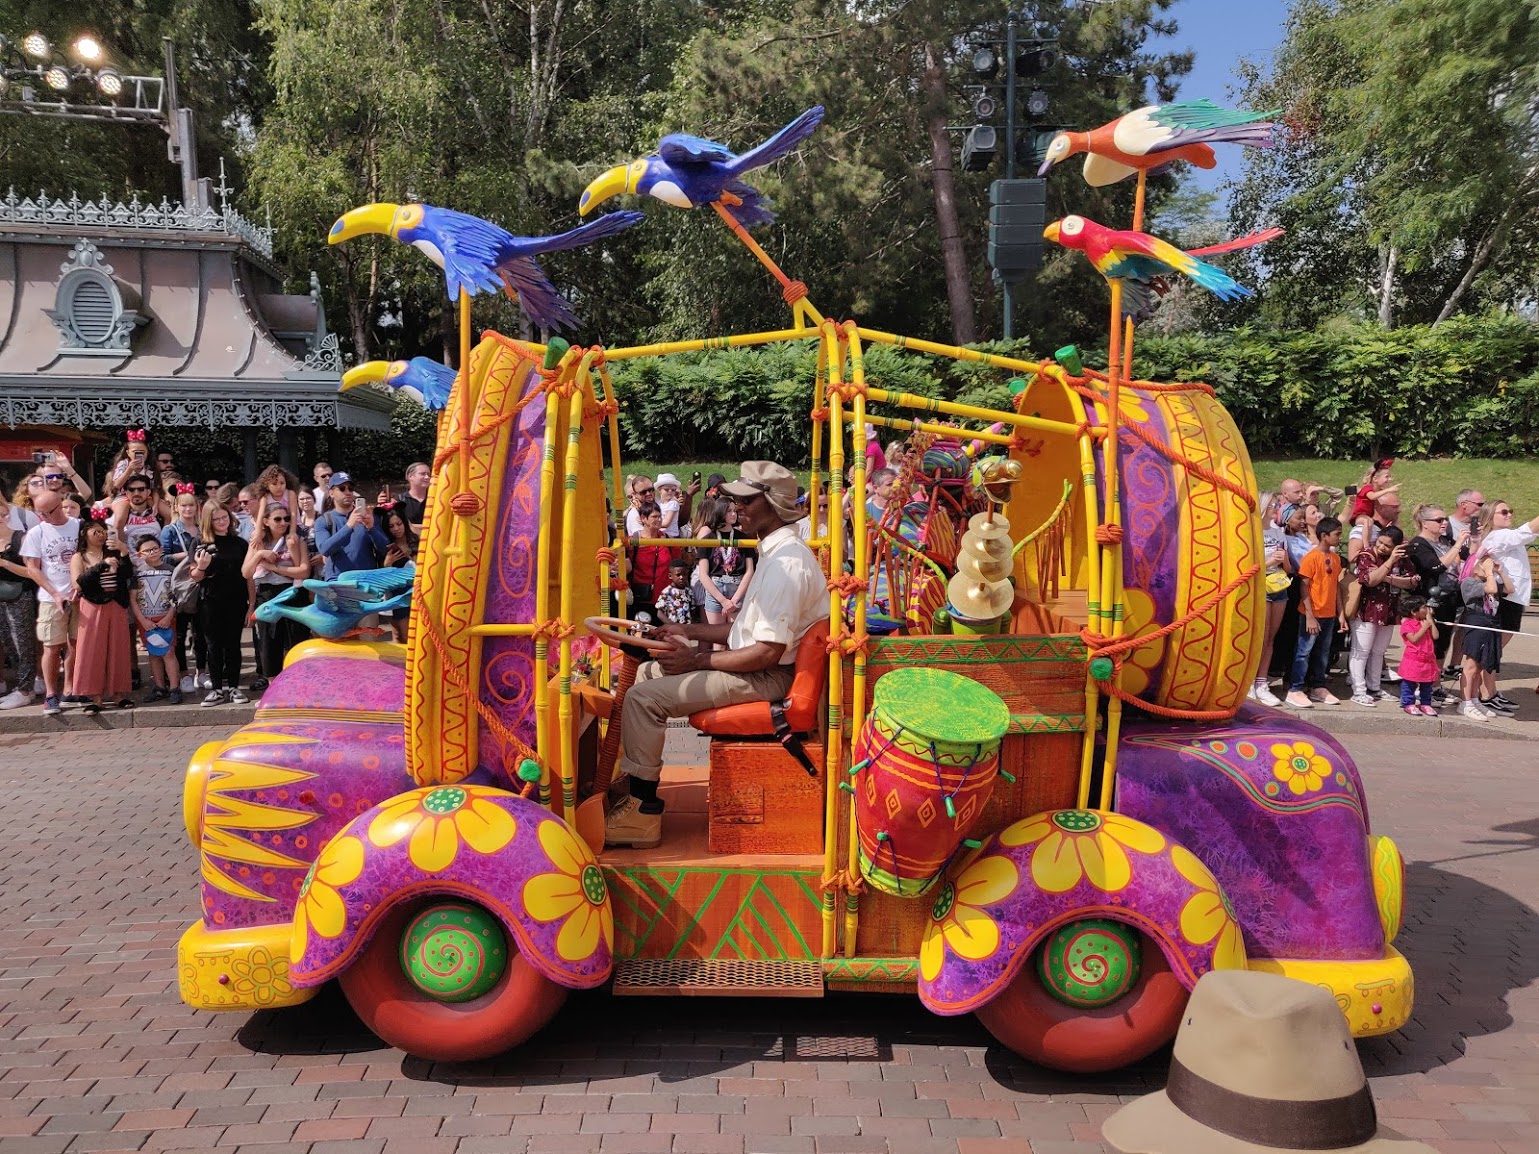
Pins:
x: 1468, y: 388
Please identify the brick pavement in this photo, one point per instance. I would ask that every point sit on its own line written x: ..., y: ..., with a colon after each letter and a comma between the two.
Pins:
x: 97, y: 1053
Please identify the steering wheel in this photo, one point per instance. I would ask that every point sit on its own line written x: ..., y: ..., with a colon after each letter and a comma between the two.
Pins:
x: 614, y: 631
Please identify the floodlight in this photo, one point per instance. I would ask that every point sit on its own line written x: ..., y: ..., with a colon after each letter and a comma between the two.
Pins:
x: 985, y: 106
x: 57, y: 77
x: 36, y: 46
x: 109, y: 82
x: 985, y: 62
x: 88, y: 49
x: 1037, y: 103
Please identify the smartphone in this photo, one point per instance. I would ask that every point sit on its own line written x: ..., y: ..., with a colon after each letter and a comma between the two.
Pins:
x: 695, y: 476
x: 39, y: 458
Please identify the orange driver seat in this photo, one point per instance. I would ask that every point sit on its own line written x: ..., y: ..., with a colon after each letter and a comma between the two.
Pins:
x: 799, y: 711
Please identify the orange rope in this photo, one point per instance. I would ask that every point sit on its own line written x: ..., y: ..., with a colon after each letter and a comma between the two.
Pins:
x: 846, y: 643
x: 555, y: 630
x: 850, y: 883
x: 820, y: 414
x: 846, y: 584
x: 451, y: 670
x: 1108, y: 534
x: 1216, y: 479
x: 480, y: 431
x: 1106, y: 647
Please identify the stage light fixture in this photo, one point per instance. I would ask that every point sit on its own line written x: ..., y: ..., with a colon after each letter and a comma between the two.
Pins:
x: 36, y: 46
x: 57, y: 77
x: 109, y: 82
x: 88, y: 49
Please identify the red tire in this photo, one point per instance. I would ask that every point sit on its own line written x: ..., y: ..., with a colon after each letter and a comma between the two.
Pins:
x: 1029, y: 1020
x: 521, y: 1002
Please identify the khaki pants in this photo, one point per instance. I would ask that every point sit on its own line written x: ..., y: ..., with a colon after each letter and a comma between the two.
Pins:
x: 657, y: 696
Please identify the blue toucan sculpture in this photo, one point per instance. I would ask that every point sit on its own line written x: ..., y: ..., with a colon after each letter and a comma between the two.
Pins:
x: 422, y: 379
x: 478, y: 256
x: 341, y: 604
x: 688, y: 171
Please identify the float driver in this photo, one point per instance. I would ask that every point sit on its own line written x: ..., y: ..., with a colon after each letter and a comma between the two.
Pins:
x: 786, y: 597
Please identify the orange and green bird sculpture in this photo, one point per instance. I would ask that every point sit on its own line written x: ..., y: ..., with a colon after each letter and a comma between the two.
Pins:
x: 1152, y: 137
x: 1144, y: 263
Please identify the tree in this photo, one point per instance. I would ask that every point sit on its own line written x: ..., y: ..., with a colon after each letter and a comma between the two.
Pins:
x: 1408, y: 172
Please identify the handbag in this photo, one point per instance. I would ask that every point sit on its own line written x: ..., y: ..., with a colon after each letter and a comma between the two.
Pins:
x: 13, y: 588
x: 1278, y: 580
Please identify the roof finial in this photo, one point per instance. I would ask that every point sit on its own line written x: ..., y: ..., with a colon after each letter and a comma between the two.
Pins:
x: 223, y: 189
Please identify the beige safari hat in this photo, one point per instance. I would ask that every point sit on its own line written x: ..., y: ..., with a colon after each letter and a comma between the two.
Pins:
x: 1263, y: 1065
x: 775, y: 482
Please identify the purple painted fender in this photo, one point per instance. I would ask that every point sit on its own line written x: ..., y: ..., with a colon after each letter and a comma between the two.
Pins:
x: 511, y: 856
x: 1279, y: 811
x: 1032, y: 877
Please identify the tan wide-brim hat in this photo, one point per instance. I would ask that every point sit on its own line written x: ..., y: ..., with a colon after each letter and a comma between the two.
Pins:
x: 775, y: 482
x: 1263, y: 1065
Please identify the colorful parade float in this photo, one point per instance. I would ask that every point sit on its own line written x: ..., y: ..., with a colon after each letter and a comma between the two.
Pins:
x: 1017, y: 773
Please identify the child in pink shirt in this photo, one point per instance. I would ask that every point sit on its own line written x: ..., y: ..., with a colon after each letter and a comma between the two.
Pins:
x: 1418, y: 668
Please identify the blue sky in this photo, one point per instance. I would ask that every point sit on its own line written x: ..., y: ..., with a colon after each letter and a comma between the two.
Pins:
x: 1221, y: 32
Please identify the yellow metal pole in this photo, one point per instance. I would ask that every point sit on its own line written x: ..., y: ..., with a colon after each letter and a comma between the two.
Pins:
x: 1093, y: 610
x: 972, y: 412
x: 815, y: 483
x: 504, y: 630
x: 617, y: 499
x: 542, y: 595
x: 568, y: 589
x: 938, y: 430
x: 955, y: 352
x: 828, y: 367
x: 1111, y: 550
x: 707, y: 344
x: 465, y: 413
x: 862, y: 561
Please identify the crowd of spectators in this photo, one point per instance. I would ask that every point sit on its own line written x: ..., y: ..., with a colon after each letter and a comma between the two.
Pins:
x: 153, y: 583
x: 1452, y: 587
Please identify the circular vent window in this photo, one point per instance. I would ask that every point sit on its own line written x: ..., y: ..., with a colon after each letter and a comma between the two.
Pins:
x: 93, y: 309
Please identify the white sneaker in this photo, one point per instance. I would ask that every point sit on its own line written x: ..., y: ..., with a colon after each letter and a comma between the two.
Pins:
x: 1366, y: 699
x: 235, y: 697
x: 1472, y: 712
x: 16, y: 699
x: 1265, y: 696
x: 1392, y: 674
x: 205, y: 682
x: 627, y: 825
x: 189, y: 683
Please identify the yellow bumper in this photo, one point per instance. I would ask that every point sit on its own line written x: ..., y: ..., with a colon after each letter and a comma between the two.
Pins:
x: 1377, y: 996
x: 245, y: 969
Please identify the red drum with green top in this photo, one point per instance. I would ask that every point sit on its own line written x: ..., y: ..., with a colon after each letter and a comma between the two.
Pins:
x: 924, y: 766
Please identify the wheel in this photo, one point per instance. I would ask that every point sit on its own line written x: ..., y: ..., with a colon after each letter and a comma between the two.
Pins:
x: 464, y: 993
x: 1047, y: 1026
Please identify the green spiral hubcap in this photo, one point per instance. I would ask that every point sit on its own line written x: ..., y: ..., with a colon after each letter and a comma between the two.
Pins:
x: 454, y: 952
x: 1090, y: 963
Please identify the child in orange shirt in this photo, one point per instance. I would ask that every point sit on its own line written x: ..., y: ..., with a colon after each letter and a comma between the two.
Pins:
x: 1320, y: 571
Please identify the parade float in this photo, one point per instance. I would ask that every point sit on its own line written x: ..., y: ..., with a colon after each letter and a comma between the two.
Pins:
x: 1016, y: 774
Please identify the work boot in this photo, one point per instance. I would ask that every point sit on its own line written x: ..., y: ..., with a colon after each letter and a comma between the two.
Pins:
x: 627, y: 825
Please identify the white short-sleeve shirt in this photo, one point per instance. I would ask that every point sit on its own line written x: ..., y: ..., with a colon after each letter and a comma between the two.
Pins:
x: 1510, y: 548
x: 787, y: 597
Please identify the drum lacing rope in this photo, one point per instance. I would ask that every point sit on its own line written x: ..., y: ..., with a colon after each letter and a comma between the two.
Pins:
x: 1103, y: 646
x: 940, y: 785
x: 475, y: 434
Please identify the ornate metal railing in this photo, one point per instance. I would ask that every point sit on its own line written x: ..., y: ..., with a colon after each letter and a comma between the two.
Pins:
x: 166, y: 216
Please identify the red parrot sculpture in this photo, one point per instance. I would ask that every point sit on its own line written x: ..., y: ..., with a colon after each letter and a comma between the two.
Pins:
x: 1152, y: 137
x: 1144, y: 263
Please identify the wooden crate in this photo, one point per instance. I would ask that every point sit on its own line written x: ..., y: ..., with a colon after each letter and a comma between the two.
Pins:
x: 762, y: 801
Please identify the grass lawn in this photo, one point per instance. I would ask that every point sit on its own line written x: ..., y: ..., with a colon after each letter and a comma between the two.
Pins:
x: 1509, y: 480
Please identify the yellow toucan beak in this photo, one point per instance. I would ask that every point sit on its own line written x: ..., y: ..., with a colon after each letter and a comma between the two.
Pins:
x: 612, y: 183
x: 1051, y: 231
x: 366, y: 219
x: 366, y: 373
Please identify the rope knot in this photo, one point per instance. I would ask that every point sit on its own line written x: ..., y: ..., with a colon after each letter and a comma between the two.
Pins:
x: 465, y: 504
x: 605, y: 556
x: 555, y: 630
x: 794, y: 292
x: 820, y: 414
x: 846, y: 584
x: 1108, y: 534
x: 618, y: 584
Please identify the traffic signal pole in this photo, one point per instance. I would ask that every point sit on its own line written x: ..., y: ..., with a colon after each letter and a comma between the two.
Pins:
x: 1009, y: 297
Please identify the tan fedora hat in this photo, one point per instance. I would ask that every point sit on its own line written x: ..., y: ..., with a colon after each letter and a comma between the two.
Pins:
x: 1263, y: 1065
x: 775, y: 482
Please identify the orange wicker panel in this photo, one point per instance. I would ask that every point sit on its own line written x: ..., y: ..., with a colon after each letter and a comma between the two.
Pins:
x: 762, y: 801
